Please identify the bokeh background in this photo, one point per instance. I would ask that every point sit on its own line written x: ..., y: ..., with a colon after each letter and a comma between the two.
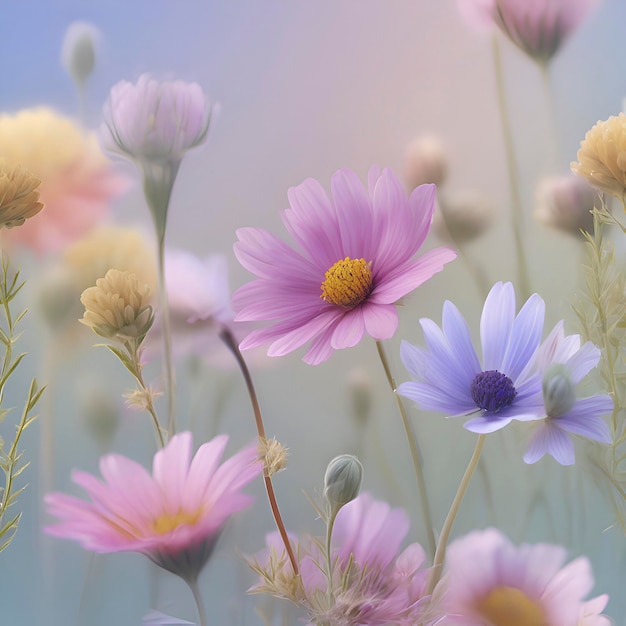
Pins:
x: 305, y: 88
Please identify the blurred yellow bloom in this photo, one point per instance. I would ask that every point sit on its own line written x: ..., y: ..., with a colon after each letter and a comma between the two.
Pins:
x: 106, y: 247
x: 602, y: 156
x: 77, y: 181
x: 19, y: 197
x: 116, y: 308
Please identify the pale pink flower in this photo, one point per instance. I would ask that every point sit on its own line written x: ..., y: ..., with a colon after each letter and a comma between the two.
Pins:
x: 491, y: 582
x: 354, y: 260
x: 77, y: 181
x: 154, y: 124
x: 173, y: 516
x: 373, y: 585
x: 155, y: 121
x: 538, y: 27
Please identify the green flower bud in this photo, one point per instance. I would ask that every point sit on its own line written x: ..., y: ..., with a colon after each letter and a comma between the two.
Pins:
x: 342, y: 481
x: 559, y: 394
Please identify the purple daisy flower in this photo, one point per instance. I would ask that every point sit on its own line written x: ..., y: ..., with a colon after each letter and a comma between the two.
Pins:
x: 563, y: 363
x: 354, y: 261
x: 449, y: 377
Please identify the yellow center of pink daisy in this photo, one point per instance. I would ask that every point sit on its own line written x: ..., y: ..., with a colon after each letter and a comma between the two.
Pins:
x: 508, y: 606
x: 168, y: 521
x: 347, y: 283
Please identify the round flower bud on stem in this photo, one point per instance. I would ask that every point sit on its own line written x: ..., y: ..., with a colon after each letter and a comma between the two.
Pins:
x: 425, y: 162
x: 559, y: 394
x: 342, y: 481
x: 79, y: 51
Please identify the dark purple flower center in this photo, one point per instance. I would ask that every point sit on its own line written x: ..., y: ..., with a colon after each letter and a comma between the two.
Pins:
x: 492, y: 391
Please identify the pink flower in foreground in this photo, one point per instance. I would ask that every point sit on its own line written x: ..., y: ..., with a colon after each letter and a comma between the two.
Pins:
x: 491, y: 582
x: 538, y: 27
x: 173, y: 516
x: 373, y: 585
x: 354, y: 260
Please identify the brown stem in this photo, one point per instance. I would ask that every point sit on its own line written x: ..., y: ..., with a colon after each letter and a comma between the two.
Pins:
x: 227, y: 337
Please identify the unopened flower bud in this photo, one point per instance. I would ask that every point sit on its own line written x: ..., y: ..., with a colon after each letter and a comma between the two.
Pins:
x: 566, y: 203
x: 79, y: 51
x: 425, y: 162
x: 559, y: 394
x: 463, y: 217
x: 342, y: 481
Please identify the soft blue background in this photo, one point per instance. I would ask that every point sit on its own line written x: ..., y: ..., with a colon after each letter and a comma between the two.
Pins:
x: 305, y: 88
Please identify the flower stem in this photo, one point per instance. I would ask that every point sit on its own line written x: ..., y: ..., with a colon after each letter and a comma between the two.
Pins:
x: 227, y: 337
x: 516, y: 200
x: 167, y: 340
x: 329, y: 560
x: 415, y: 454
x: 440, y: 554
x: 197, y: 596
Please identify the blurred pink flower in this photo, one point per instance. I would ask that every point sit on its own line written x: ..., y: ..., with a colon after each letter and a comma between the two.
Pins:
x: 155, y: 121
x: 77, y: 181
x: 355, y: 261
x: 490, y: 581
x: 372, y: 583
x: 173, y: 516
x: 198, y: 295
x: 538, y: 27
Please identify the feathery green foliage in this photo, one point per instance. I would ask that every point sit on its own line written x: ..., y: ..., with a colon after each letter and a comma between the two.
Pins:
x: 11, y: 462
x: 602, y: 314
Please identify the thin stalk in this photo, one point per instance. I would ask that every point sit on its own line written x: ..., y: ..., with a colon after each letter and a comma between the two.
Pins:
x: 553, y: 149
x: 440, y: 554
x: 227, y: 337
x: 197, y: 596
x: 415, y: 454
x: 516, y: 199
x: 167, y: 340
x: 329, y: 560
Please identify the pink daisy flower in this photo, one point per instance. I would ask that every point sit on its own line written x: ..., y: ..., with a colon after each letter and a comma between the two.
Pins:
x: 491, y: 582
x: 373, y: 584
x: 353, y: 261
x: 173, y: 516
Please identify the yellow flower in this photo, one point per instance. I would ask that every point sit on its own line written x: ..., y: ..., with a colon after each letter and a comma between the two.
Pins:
x: 106, y: 247
x: 602, y: 156
x: 19, y: 197
x: 116, y: 307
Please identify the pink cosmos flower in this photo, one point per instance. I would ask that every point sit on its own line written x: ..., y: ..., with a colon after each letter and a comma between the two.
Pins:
x: 173, y: 516
x: 491, y: 582
x: 372, y: 584
x: 538, y: 27
x: 354, y: 260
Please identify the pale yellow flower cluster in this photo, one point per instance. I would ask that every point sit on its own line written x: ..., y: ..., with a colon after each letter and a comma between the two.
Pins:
x: 19, y: 196
x: 273, y: 454
x: 116, y: 308
x: 602, y: 156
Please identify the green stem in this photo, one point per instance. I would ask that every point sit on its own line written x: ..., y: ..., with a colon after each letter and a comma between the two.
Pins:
x: 516, y: 201
x: 167, y: 341
x: 440, y: 554
x: 553, y: 149
x: 329, y: 559
x: 193, y: 585
x: 415, y: 454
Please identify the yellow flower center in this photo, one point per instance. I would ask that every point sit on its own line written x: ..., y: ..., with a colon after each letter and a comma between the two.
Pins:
x: 347, y: 283
x: 168, y: 522
x: 507, y: 606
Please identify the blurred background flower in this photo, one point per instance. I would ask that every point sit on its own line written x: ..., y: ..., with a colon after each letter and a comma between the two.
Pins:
x: 77, y: 182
